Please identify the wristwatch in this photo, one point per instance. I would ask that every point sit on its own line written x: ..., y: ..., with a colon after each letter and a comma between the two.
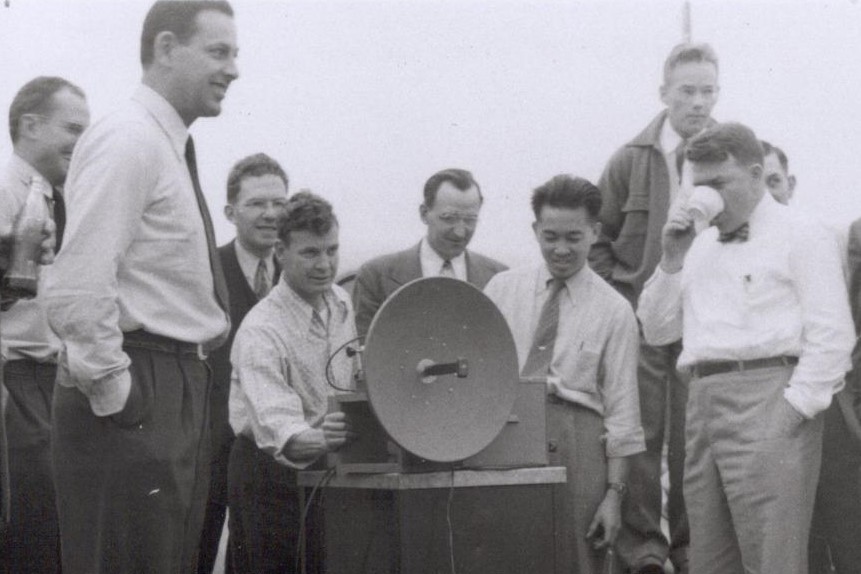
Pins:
x: 620, y: 487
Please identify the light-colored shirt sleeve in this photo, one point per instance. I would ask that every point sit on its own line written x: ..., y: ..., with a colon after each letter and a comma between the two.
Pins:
x: 273, y: 408
x: 112, y: 180
x: 828, y: 334
x: 660, y: 308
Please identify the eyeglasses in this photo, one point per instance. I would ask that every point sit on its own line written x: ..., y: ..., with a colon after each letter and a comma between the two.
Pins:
x: 70, y: 128
x: 264, y: 204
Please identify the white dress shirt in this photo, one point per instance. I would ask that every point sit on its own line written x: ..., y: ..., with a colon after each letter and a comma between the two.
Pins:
x: 134, y: 255
x: 432, y: 263
x: 595, y: 353
x: 779, y: 293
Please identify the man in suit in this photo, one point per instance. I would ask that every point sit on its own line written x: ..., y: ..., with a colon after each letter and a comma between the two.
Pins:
x: 640, y: 183
x: 47, y: 117
x: 256, y: 193
x: 452, y: 201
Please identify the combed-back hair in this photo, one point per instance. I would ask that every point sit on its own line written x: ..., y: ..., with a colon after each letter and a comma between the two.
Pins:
x: 254, y: 165
x: 460, y: 178
x: 717, y: 143
x: 686, y: 53
x: 177, y: 16
x: 35, y: 97
x: 568, y: 192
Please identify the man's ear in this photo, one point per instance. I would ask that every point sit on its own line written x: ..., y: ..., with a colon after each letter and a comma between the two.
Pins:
x: 229, y: 212
x: 423, y: 213
x: 791, y: 180
x: 28, y: 124
x: 164, y: 45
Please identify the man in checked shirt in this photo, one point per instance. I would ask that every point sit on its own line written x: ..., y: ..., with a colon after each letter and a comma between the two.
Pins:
x: 279, y: 388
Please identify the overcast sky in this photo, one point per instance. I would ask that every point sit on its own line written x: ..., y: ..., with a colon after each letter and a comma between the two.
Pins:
x: 361, y: 101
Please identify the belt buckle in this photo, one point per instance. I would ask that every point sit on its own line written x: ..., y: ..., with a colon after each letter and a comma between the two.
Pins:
x: 201, y: 353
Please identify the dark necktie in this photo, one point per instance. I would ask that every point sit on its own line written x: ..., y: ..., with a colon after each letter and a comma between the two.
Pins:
x: 541, y: 351
x: 447, y: 270
x: 680, y: 158
x: 738, y: 235
x: 214, y: 260
x: 59, y: 217
x: 261, y: 283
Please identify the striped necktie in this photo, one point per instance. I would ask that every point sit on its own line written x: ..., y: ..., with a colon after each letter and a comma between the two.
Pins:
x: 541, y: 351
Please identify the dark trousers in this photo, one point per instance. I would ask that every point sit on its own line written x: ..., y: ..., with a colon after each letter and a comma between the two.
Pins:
x: 132, y: 487
x: 836, y: 527
x: 663, y: 396
x: 32, y: 540
x: 265, y: 515
x: 216, y: 505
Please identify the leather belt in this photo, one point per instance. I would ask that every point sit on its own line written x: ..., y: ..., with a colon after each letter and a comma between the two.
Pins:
x: 141, y: 339
x: 707, y: 369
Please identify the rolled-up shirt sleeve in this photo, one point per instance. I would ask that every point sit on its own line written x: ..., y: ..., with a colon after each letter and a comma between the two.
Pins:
x: 622, y: 425
x: 106, y: 196
x: 660, y: 308
x: 261, y: 384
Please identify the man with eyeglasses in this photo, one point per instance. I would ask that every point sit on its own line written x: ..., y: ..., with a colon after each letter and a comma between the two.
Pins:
x: 640, y: 183
x: 47, y: 116
x: 452, y: 202
x: 256, y: 194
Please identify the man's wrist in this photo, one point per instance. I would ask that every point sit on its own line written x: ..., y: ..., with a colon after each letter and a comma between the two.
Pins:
x: 617, y: 488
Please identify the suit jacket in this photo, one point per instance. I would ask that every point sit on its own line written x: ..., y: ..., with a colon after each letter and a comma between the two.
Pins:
x: 635, y: 192
x: 849, y: 398
x: 380, y: 277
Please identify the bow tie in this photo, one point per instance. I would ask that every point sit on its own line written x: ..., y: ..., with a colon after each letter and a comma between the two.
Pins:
x: 739, y: 235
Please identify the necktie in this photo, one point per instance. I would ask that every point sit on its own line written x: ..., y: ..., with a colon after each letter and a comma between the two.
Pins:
x: 541, y: 351
x: 59, y: 217
x: 214, y: 260
x: 447, y: 270
x: 738, y: 235
x: 261, y: 283
x: 680, y: 157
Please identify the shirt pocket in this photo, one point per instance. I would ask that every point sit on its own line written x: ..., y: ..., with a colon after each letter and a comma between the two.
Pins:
x: 580, y: 368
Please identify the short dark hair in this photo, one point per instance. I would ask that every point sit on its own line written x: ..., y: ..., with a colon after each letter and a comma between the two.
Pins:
x: 35, y: 97
x: 687, y: 52
x: 252, y: 166
x: 768, y: 149
x: 567, y: 192
x: 460, y: 178
x: 177, y: 16
x: 305, y: 211
x: 720, y: 141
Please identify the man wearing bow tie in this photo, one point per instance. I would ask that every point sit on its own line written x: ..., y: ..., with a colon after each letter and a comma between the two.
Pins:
x: 760, y: 303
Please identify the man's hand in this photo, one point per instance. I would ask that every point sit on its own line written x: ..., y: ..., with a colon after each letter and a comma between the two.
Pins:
x: 677, y: 236
x: 312, y: 443
x: 607, y: 521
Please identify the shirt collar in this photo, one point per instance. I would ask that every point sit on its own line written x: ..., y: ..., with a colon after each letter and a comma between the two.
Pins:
x: 432, y: 262
x: 23, y: 171
x: 248, y: 261
x: 670, y: 138
x: 573, y: 284
x: 336, y: 299
x: 165, y: 115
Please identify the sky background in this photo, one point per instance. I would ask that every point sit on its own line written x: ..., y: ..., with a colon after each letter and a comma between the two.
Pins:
x: 361, y: 101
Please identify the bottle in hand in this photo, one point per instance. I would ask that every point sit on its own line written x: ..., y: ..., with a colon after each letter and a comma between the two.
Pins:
x: 22, y: 278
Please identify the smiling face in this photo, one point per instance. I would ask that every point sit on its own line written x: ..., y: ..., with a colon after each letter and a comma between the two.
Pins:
x: 690, y: 93
x: 565, y: 236
x: 309, y: 263
x: 204, y: 66
x: 452, y: 219
x: 54, y: 134
x: 255, y: 210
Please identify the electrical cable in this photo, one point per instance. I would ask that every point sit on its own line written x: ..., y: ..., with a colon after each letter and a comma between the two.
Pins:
x: 300, y: 563
x: 329, y: 364
x: 448, y: 520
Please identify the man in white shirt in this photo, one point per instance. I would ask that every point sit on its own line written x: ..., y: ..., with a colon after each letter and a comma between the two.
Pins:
x: 639, y: 186
x: 138, y: 298
x: 256, y: 193
x: 48, y: 115
x: 572, y: 329
x: 280, y: 388
x: 452, y: 202
x: 760, y: 303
